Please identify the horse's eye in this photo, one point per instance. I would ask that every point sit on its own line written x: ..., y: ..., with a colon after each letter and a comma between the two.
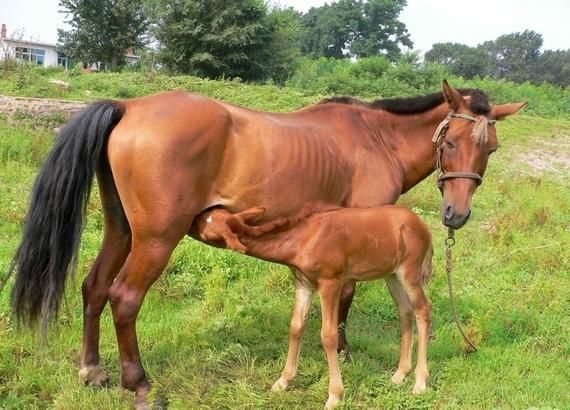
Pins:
x: 449, y: 144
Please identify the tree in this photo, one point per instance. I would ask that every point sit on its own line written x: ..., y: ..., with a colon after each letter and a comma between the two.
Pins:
x: 356, y: 28
x: 284, y: 47
x: 554, y: 67
x: 461, y: 59
x: 102, y: 30
x: 213, y: 38
x: 515, y: 55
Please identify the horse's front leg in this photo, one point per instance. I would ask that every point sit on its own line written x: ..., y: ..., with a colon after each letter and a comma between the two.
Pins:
x: 346, y: 296
x: 303, y: 297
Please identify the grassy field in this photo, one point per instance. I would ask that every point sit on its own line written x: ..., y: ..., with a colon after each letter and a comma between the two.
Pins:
x: 213, y: 330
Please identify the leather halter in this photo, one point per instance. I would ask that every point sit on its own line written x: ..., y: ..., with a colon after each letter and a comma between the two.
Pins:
x: 439, y: 140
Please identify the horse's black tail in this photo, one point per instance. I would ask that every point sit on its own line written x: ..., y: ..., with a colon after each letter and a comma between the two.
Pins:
x: 53, y: 226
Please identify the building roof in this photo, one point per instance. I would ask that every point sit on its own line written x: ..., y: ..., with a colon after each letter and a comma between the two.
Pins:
x: 29, y: 42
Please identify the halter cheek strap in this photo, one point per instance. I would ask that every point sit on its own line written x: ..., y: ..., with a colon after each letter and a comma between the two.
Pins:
x: 439, y: 140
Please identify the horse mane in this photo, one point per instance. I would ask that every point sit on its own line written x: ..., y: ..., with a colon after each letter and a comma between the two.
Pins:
x: 478, y: 102
x: 280, y: 224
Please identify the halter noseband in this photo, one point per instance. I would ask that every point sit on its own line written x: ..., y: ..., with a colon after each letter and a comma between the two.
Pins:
x: 439, y: 140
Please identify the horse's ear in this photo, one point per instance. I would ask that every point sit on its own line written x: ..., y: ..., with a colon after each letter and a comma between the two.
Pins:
x: 499, y: 112
x: 252, y: 213
x: 452, y: 97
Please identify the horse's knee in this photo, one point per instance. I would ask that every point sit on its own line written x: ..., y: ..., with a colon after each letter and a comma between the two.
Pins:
x: 297, y: 328
x: 125, y: 304
x: 329, y: 339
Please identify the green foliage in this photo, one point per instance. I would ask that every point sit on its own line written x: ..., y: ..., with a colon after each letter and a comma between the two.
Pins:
x: 285, y: 45
x: 372, y: 77
x: 355, y: 28
x: 213, y: 38
x: 514, y: 57
x: 462, y: 60
x: 102, y: 30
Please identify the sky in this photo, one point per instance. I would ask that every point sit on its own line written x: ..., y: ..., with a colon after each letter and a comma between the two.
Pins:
x: 428, y: 21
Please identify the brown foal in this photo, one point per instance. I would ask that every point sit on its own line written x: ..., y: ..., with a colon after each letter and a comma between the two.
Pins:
x: 162, y: 160
x: 326, y: 248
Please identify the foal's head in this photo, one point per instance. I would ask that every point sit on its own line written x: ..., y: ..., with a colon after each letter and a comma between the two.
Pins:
x: 464, y: 143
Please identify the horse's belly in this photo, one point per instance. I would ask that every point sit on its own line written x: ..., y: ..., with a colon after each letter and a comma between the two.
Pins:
x: 281, y: 173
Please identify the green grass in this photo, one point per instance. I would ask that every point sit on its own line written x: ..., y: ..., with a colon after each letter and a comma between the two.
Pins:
x: 213, y: 329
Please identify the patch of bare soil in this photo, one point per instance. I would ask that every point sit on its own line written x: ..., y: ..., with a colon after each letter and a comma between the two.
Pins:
x: 551, y: 158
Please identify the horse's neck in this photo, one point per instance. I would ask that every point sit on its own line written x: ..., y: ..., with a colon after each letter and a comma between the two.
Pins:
x: 412, y: 143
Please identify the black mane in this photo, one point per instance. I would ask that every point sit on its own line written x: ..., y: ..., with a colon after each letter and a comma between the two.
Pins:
x: 478, y: 104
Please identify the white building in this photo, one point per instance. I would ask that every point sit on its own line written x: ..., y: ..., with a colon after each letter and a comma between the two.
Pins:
x: 33, y: 51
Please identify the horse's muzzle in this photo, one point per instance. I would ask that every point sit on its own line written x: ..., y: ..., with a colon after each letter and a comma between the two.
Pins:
x: 451, y: 219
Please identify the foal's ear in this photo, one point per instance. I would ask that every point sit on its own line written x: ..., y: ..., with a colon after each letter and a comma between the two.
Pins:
x: 251, y: 213
x: 499, y: 112
x: 452, y: 97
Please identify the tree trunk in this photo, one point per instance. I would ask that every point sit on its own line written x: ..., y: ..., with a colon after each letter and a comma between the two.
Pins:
x: 114, y: 61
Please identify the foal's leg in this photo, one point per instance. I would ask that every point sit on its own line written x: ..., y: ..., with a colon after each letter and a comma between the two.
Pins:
x: 112, y: 255
x: 144, y: 265
x: 329, y: 290
x: 405, y: 312
x: 303, y: 298
x: 422, y: 310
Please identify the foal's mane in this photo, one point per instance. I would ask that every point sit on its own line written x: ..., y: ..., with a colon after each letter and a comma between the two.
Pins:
x: 478, y: 102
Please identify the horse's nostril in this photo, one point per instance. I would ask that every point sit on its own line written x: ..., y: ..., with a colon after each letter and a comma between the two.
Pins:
x: 448, y: 212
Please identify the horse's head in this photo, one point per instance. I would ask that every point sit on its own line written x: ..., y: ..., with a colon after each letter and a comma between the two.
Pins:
x: 464, y: 142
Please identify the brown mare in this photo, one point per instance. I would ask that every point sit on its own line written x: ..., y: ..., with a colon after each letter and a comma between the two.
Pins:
x: 326, y: 248
x: 162, y: 160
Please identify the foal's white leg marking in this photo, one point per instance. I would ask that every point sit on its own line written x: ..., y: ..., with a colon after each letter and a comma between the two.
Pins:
x: 405, y: 313
x: 94, y: 376
x: 303, y: 298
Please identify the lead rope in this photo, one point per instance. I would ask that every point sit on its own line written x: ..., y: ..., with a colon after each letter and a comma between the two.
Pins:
x: 449, y: 242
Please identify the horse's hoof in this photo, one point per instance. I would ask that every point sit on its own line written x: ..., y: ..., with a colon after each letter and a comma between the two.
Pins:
x: 94, y: 376
x: 279, y: 386
x: 333, y: 402
x: 419, y: 388
x: 398, y: 378
x: 345, y: 353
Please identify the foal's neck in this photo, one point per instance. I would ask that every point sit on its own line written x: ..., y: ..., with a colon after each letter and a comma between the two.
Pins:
x: 280, y: 246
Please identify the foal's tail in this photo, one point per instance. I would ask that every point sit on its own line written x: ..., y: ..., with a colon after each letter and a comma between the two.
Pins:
x: 54, y: 222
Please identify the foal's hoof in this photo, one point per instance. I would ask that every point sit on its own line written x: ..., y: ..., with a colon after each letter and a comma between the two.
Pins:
x: 398, y: 377
x: 94, y: 376
x: 419, y: 388
x: 332, y: 402
x: 279, y: 386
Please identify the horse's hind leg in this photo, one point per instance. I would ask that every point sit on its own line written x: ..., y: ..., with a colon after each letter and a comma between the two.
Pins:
x: 145, y: 263
x: 112, y: 256
x: 406, y: 315
x: 95, y: 290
